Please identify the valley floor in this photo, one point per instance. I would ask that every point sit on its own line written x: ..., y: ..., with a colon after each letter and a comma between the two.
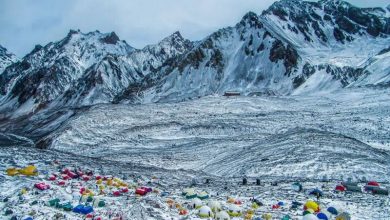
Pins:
x: 316, y: 140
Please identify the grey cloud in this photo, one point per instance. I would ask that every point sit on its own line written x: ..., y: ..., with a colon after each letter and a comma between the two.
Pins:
x: 25, y: 23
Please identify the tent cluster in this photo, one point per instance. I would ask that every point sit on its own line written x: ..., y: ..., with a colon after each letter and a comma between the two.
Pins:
x: 84, y: 194
x: 371, y: 187
x: 71, y: 190
x: 30, y: 170
x: 313, y: 211
x: 190, y: 193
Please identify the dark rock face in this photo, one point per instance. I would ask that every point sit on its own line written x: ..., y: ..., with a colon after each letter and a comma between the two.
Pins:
x: 338, y: 34
x: 346, y: 25
x: 288, y: 54
x: 307, y: 71
x: 112, y: 38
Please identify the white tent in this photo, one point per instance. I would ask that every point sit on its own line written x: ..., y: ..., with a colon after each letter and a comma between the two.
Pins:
x: 222, y: 216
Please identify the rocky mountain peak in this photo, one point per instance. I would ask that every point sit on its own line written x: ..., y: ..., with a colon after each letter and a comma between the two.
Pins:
x: 111, y: 38
x: 6, y: 58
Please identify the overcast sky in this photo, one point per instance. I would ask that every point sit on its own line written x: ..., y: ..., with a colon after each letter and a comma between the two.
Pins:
x: 25, y: 23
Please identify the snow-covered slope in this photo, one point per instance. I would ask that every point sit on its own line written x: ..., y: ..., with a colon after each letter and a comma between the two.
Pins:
x: 336, y: 134
x: 45, y: 73
x: 6, y: 58
x: 82, y: 69
x: 110, y: 77
x: 294, y: 47
x: 377, y: 70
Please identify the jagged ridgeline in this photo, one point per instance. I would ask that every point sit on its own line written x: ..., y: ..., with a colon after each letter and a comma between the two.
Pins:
x: 294, y: 47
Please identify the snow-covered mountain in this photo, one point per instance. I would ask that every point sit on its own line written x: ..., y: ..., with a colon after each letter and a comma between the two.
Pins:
x: 6, y: 58
x: 82, y: 69
x: 45, y: 73
x: 294, y: 47
x: 114, y: 74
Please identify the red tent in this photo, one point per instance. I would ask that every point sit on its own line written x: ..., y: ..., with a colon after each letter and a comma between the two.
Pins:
x: 340, y: 188
x: 61, y: 183
x: 117, y: 193
x: 42, y: 186
x: 72, y: 175
x: 141, y: 191
x: 372, y: 183
x: 86, y: 178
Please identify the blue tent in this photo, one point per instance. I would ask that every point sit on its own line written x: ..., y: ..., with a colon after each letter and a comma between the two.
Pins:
x: 333, y: 210
x: 281, y: 203
x: 322, y: 216
x: 316, y: 192
x: 83, y: 209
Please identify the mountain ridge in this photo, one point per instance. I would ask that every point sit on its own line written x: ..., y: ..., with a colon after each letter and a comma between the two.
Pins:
x: 294, y: 47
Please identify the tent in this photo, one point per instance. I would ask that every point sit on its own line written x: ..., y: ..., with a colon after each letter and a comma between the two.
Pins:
x: 352, y: 188
x: 186, y: 191
x: 322, y: 216
x: 205, y: 212
x: 370, y: 188
x: 53, y: 202
x: 234, y: 210
x: 81, y: 209
x: 340, y: 188
x: 67, y: 207
x: 203, y: 195
x: 222, y: 216
x: 215, y: 206
x: 267, y: 216
x: 196, y: 203
x: 380, y: 191
x: 333, y: 210
x: 316, y: 192
x: 297, y: 187
x: 312, y: 205
x: 310, y: 217
x: 12, y: 171
x: 183, y: 212
x: 286, y: 217
x: 30, y: 170
x: 140, y: 191
x: 42, y: 186
x: 258, y: 202
x: 373, y: 183
x: 343, y: 216
x: 191, y: 195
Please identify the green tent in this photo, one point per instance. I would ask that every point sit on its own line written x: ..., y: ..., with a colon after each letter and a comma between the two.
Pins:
x: 53, y: 202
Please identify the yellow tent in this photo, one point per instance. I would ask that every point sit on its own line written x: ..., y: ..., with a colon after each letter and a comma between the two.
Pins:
x: 312, y: 205
x: 267, y: 216
x: 12, y: 171
x: 30, y: 170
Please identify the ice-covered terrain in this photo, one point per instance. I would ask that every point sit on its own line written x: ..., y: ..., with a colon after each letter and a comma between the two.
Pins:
x: 337, y: 135
x: 317, y: 140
